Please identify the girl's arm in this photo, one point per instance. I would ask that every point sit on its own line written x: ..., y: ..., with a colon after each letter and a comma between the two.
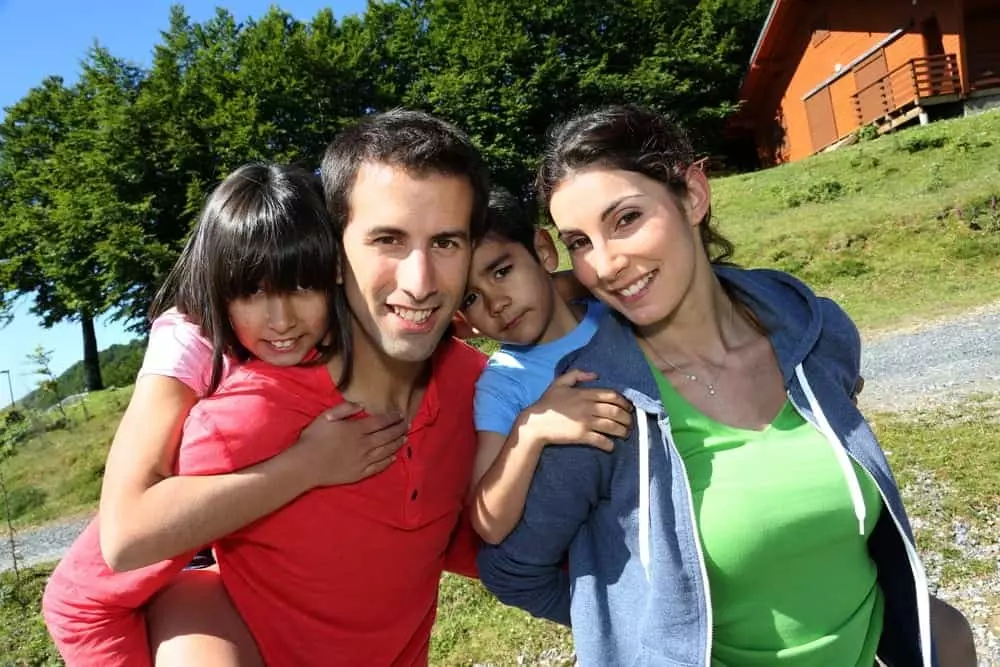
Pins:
x: 148, y: 515
x: 505, y: 465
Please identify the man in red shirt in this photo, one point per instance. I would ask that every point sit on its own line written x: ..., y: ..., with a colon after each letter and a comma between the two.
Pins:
x: 348, y: 575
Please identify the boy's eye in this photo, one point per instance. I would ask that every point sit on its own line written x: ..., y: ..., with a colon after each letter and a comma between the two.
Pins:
x: 502, y: 271
x: 468, y: 301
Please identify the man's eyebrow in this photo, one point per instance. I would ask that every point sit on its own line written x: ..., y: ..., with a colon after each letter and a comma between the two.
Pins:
x: 495, y: 264
x: 385, y: 230
x: 459, y: 234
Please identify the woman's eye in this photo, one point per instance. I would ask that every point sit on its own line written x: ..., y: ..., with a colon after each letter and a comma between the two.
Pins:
x: 576, y: 244
x: 628, y: 218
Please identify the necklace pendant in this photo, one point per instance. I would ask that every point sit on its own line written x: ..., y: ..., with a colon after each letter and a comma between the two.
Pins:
x: 693, y: 378
x: 711, y: 390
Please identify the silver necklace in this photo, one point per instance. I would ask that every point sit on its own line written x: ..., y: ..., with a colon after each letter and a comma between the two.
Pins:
x: 691, y: 377
x: 709, y: 386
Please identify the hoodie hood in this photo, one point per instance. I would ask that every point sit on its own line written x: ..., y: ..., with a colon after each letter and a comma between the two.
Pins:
x: 789, y: 311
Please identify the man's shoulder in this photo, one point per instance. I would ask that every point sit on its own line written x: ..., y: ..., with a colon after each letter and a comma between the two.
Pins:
x: 457, y: 358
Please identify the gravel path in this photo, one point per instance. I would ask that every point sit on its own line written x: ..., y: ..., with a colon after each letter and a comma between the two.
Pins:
x: 943, y: 362
x: 922, y: 367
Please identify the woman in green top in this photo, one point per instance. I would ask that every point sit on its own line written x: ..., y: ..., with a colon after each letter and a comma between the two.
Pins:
x: 750, y: 519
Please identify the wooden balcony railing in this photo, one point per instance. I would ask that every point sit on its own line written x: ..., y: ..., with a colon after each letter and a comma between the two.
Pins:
x: 914, y: 80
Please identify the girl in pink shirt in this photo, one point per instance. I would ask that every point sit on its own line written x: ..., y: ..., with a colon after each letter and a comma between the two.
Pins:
x: 268, y: 226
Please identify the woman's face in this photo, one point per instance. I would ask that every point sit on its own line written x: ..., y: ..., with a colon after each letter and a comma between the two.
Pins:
x: 630, y: 239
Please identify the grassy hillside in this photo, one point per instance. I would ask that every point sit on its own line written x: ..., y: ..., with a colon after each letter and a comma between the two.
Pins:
x: 119, y: 364
x: 897, y: 229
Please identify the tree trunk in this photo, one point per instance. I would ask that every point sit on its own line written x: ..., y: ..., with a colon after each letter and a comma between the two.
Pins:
x: 91, y: 362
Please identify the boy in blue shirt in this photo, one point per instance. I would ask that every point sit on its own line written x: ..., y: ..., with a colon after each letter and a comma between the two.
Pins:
x: 520, y: 407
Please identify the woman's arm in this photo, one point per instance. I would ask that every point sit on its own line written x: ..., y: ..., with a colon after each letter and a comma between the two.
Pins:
x: 525, y: 570
x: 148, y: 515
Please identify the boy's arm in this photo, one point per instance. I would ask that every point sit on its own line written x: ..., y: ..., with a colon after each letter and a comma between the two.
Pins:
x: 498, y: 500
x: 525, y: 569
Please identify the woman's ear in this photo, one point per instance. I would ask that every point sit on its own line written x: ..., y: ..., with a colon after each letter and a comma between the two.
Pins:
x: 545, y: 250
x: 698, y: 200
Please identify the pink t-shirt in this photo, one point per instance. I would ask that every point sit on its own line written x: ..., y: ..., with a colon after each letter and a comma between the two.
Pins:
x: 178, y: 349
x: 90, y: 629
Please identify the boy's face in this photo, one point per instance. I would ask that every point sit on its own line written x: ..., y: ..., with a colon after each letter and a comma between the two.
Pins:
x: 509, y: 296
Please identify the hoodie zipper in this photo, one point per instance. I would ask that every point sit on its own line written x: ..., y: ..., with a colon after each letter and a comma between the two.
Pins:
x: 697, y: 543
x: 916, y: 569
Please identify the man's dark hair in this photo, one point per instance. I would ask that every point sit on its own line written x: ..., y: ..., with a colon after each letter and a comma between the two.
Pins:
x: 414, y: 141
x: 507, y: 219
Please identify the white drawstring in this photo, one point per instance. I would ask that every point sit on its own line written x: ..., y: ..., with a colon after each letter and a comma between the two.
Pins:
x: 850, y: 475
x: 644, y: 518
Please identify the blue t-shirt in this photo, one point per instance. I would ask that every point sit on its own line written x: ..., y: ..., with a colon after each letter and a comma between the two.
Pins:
x: 517, y: 375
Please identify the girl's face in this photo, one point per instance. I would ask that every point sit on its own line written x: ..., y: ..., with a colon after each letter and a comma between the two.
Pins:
x: 280, y: 328
x: 630, y: 239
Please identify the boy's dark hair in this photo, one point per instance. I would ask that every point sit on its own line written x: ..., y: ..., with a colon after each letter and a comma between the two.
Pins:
x: 630, y: 138
x: 414, y: 141
x: 264, y: 226
x: 509, y: 220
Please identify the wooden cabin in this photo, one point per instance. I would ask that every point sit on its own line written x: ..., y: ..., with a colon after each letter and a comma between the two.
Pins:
x: 822, y: 69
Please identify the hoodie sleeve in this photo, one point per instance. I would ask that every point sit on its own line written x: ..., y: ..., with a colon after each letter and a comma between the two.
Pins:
x: 526, y: 569
x: 840, y: 341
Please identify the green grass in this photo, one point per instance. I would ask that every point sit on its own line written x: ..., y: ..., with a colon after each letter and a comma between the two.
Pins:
x: 947, y: 463
x: 56, y: 472
x: 876, y: 225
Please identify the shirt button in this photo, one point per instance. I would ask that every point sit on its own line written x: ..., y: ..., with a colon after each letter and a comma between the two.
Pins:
x: 413, y: 496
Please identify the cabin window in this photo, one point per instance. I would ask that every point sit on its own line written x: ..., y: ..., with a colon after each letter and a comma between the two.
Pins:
x: 821, y: 30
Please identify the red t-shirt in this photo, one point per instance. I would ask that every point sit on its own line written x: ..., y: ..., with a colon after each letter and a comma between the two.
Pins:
x: 344, y: 575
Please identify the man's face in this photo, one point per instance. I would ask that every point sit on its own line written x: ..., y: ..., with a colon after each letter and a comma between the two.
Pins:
x: 407, y: 249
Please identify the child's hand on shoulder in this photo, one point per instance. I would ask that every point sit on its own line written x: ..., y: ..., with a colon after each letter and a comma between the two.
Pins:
x: 336, y: 449
x: 571, y: 415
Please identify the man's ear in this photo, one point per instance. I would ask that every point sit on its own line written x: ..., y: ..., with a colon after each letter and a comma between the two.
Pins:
x: 462, y: 328
x: 545, y: 249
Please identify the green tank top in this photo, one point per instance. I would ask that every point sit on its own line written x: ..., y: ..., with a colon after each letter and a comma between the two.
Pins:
x: 790, y: 577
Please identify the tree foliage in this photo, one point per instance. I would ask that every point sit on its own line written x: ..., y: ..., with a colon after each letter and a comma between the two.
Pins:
x: 100, y: 181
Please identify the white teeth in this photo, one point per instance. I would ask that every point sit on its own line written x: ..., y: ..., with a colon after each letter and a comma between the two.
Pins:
x: 413, y: 315
x: 637, y: 286
x: 282, y: 344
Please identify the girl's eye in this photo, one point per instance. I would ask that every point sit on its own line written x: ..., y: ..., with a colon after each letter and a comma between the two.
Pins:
x: 628, y: 218
x: 469, y: 300
x: 502, y: 271
x: 576, y: 244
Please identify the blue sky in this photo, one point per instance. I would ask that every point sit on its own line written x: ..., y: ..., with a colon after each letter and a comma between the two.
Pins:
x: 39, y: 38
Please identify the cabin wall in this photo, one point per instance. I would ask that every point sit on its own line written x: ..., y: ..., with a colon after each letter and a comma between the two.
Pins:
x: 841, y: 32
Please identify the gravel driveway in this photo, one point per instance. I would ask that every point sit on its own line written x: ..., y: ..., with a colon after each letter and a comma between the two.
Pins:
x: 918, y: 368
